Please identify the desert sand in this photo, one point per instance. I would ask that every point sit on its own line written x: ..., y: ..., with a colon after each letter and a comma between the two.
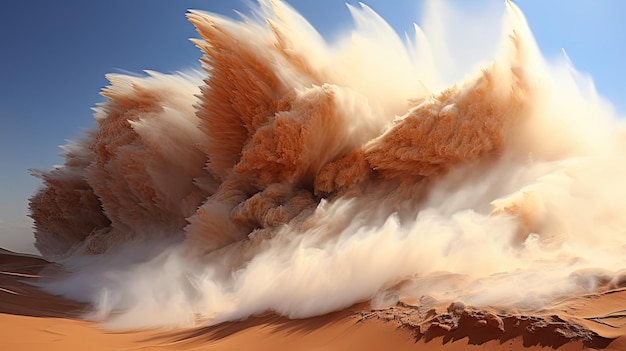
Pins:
x: 34, y: 320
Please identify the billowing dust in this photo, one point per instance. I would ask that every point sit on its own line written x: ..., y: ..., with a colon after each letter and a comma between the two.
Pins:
x: 301, y: 177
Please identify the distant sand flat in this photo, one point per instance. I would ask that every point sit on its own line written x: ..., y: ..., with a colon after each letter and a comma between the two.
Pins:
x: 33, y: 320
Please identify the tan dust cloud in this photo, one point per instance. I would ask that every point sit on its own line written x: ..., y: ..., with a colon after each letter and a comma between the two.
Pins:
x: 301, y: 177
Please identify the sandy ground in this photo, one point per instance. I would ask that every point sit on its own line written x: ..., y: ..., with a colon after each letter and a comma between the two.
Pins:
x: 33, y: 320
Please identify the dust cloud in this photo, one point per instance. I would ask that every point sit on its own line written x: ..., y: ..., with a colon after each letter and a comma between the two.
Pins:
x: 299, y: 176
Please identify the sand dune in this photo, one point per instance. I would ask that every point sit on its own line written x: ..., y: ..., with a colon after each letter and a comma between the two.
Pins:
x: 35, y: 320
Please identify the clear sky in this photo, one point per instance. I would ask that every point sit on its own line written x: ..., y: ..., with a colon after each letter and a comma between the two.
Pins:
x: 54, y: 55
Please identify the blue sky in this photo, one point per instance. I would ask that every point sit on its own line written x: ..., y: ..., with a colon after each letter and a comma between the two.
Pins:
x: 54, y: 55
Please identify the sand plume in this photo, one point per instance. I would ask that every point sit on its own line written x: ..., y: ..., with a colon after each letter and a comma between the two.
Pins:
x: 66, y: 210
x: 302, y: 177
x: 135, y: 175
